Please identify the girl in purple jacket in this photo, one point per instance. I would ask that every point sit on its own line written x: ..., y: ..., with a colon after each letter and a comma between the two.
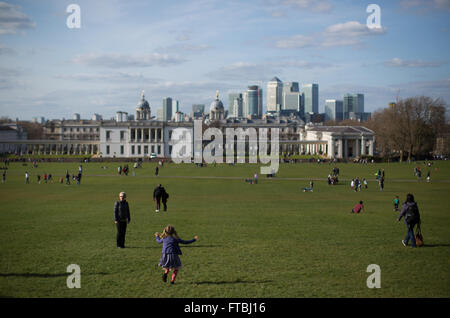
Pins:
x: 170, y: 259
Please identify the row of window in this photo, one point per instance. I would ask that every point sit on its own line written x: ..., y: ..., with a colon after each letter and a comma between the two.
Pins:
x: 133, y: 136
x: 138, y: 150
x: 78, y: 129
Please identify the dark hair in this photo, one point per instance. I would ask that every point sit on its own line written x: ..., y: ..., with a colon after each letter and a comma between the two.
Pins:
x: 360, y: 202
x: 409, y: 197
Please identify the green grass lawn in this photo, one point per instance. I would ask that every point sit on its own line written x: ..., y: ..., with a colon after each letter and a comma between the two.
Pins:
x: 264, y: 240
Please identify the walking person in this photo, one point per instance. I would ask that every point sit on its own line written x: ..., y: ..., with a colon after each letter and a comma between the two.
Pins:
x: 410, y: 211
x: 121, y: 219
x: 4, y: 176
x: 164, y: 197
x: 157, y: 194
x: 156, y: 171
x: 170, y: 259
x: 381, y: 182
x: 396, y: 203
x: 67, y: 177
x: 27, y: 178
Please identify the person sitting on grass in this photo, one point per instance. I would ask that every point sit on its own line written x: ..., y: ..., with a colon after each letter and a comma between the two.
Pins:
x: 310, y: 189
x: 358, y: 208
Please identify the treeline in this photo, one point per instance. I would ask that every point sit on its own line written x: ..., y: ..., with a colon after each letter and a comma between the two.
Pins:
x: 413, y: 127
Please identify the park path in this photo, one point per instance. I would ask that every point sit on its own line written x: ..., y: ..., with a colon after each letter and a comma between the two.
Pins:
x: 262, y: 178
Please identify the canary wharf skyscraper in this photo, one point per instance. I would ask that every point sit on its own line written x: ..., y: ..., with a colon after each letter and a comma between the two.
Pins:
x: 274, y: 94
x: 252, y: 99
x: 311, y: 92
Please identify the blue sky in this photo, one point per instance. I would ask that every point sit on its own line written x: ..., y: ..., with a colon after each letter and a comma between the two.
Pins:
x: 189, y: 49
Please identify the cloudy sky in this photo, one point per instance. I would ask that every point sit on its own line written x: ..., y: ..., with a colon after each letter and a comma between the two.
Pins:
x: 189, y: 49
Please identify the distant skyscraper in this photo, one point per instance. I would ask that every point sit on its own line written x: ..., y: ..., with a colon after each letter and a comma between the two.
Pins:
x: 311, y: 93
x: 198, y: 110
x: 175, y: 106
x: 235, y: 105
x: 334, y: 109
x: 76, y: 116
x: 260, y: 102
x: 292, y: 101
x: 167, y: 109
x: 290, y: 87
x: 274, y: 94
x: 160, y: 114
x: 353, y: 103
x: 252, y: 99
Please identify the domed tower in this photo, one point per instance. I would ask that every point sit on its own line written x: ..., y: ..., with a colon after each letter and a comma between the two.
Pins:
x: 216, y: 111
x: 143, y: 109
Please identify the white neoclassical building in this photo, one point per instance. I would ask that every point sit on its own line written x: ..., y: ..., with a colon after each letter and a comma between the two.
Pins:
x: 341, y: 142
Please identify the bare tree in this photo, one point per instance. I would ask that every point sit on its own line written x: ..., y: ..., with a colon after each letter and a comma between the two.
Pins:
x: 410, y: 127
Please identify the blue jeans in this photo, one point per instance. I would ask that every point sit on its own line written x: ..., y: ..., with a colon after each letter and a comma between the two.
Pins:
x: 410, y: 235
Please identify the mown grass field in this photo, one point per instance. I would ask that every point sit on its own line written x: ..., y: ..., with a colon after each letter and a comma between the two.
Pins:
x: 264, y: 240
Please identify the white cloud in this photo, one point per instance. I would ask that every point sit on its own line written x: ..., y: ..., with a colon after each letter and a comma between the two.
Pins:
x: 349, y: 33
x: 126, y: 60
x: 244, y: 71
x: 12, y: 20
x: 183, y: 48
x: 7, y: 51
x: 124, y: 77
x: 397, y: 62
x: 297, y: 41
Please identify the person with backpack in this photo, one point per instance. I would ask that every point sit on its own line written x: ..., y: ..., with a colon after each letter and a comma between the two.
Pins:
x: 121, y: 218
x: 410, y: 212
x: 157, y: 195
x: 164, y: 198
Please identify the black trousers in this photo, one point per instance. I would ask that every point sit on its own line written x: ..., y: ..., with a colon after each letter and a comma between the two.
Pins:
x: 158, y: 202
x: 121, y: 230
x: 164, y: 202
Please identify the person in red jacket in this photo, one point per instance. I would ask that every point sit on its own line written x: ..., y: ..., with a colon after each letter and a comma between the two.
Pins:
x: 358, y: 207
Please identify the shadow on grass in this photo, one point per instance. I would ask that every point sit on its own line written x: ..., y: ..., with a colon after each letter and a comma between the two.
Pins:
x: 144, y: 247
x: 28, y: 275
x: 159, y: 246
x: 435, y: 245
x: 199, y: 246
x: 237, y: 281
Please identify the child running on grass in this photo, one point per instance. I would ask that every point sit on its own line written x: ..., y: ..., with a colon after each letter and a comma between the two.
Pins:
x: 170, y: 251
x: 396, y: 203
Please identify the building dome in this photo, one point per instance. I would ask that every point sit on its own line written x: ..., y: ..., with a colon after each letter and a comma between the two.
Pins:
x: 142, y: 104
x: 143, y: 109
x: 216, y: 111
x: 216, y: 105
